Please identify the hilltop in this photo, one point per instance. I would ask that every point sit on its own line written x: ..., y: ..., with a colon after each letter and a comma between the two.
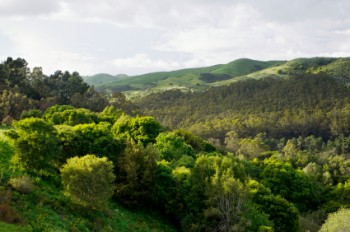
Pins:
x: 192, y: 79
x: 103, y: 78
x: 201, y: 79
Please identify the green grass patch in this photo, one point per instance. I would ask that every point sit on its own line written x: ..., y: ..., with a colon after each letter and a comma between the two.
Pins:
x: 5, y: 227
x: 47, y: 209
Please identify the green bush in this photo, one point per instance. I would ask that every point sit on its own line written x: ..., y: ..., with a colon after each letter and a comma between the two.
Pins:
x: 88, y: 180
x: 22, y: 184
x: 338, y: 221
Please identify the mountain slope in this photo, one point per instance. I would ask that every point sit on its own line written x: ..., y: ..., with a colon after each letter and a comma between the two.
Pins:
x: 188, y: 79
x: 103, y: 78
x: 201, y: 79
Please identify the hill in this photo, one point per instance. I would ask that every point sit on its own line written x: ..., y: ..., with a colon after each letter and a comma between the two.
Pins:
x: 102, y: 78
x: 201, y: 79
x: 193, y: 79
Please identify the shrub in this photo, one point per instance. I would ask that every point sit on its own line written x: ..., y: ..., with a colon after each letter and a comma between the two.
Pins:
x: 338, y: 221
x: 88, y: 180
x: 22, y: 184
x: 7, y: 214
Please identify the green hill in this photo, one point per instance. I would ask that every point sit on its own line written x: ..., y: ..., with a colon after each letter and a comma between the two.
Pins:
x: 193, y: 79
x: 103, y: 78
x: 201, y: 79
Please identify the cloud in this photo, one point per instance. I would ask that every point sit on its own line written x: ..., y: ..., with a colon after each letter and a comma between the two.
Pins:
x: 27, y: 8
x: 153, y: 35
x: 142, y: 62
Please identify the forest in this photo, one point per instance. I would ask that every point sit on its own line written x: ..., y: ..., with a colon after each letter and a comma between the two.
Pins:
x: 255, y: 155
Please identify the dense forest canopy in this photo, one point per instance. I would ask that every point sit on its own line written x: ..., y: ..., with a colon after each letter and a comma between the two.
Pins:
x: 22, y: 89
x: 268, y: 154
x: 309, y: 104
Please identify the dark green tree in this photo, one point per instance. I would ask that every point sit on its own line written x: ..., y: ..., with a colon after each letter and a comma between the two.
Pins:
x: 135, y: 172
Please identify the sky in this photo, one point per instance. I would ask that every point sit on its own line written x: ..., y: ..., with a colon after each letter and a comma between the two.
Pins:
x: 141, y: 36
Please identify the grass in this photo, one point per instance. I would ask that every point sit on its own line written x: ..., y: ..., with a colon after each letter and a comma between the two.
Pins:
x: 185, y: 79
x: 5, y: 227
x: 46, y: 208
x: 241, y: 69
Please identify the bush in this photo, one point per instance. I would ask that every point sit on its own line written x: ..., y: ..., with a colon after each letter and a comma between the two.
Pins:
x: 338, y: 221
x: 88, y: 180
x: 7, y: 214
x: 22, y: 184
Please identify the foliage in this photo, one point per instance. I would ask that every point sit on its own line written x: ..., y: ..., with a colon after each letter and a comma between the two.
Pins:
x: 6, y: 153
x: 5, y: 227
x: 70, y: 142
x: 283, y: 213
x: 338, y: 221
x: 318, y: 105
x: 23, y: 89
x: 289, y: 137
x: 142, y: 130
x: 172, y: 147
x: 88, y: 180
x: 22, y: 184
x: 136, y: 175
x: 96, y: 139
x: 9, y: 215
x: 31, y: 113
x: 110, y: 114
x: 36, y: 144
x: 290, y: 184
x: 70, y: 117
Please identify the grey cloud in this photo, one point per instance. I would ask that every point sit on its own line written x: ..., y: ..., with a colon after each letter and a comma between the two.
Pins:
x: 28, y: 8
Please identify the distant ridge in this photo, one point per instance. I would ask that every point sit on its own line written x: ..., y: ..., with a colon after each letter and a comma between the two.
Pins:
x: 200, y: 79
x: 103, y: 78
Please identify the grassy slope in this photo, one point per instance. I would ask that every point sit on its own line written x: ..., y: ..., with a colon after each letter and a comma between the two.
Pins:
x: 189, y: 79
x: 241, y: 69
x: 47, y: 209
x: 5, y: 227
x: 335, y: 67
x: 102, y: 78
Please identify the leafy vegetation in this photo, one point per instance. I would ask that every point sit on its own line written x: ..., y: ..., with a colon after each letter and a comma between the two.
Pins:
x: 263, y: 154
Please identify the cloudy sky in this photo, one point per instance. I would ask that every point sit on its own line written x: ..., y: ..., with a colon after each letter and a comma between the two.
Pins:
x: 139, y: 36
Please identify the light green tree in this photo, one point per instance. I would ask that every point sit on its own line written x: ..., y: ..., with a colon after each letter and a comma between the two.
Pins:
x: 88, y: 180
x: 337, y: 222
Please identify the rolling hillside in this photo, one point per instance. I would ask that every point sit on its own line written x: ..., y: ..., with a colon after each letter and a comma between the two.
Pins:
x: 103, y: 78
x: 194, y: 79
x: 201, y: 79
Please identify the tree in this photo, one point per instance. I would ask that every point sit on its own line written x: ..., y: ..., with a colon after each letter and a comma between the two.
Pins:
x: 291, y: 184
x: 283, y: 213
x: 110, y: 114
x: 337, y: 222
x: 97, y: 139
x: 226, y: 199
x: 142, y: 130
x: 172, y: 147
x: 70, y: 142
x: 88, y: 180
x: 70, y: 116
x: 36, y: 143
x: 136, y: 170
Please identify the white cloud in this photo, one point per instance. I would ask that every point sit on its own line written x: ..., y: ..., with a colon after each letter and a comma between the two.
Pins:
x: 85, y: 35
x: 142, y: 62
